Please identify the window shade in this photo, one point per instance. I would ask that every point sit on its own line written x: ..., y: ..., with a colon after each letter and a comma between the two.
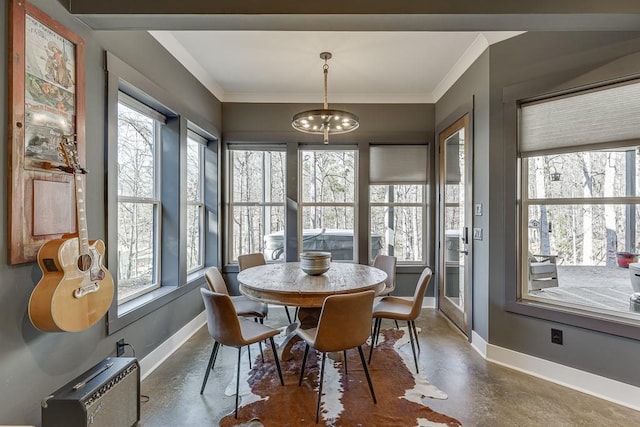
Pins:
x: 141, y: 107
x: 398, y: 164
x: 596, y: 117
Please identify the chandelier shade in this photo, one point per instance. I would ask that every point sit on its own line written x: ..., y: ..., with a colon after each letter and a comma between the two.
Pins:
x: 325, y: 121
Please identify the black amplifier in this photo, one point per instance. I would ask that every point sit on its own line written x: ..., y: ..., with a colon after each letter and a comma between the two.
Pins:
x: 107, y: 395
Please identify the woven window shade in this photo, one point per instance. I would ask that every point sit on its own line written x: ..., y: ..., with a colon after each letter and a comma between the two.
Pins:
x: 398, y: 164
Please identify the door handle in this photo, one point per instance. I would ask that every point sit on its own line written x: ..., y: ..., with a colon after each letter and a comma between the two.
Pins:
x: 464, y: 252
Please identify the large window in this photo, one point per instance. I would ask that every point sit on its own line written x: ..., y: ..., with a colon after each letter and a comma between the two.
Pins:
x: 257, y: 213
x: 580, y: 200
x: 328, y: 201
x: 195, y: 201
x: 398, y: 174
x: 138, y: 198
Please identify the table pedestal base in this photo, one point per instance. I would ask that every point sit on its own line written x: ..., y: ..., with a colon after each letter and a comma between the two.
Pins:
x: 307, y: 319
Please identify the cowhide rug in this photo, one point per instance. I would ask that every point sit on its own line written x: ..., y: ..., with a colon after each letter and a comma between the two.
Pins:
x: 346, y: 399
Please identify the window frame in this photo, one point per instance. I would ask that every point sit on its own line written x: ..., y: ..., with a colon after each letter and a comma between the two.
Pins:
x: 174, y: 281
x: 423, y: 206
x: 231, y: 148
x: 355, y: 204
x: 155, y: 201
x: 513, y: 97
x: 199, y: 203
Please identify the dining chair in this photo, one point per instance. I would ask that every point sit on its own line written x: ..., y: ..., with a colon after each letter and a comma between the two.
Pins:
x: 387, y: 263
x: 395, y: 308
x: 244, y: 306
x: 345, y: 323
x: 226, y: 328
x: 252, y: 260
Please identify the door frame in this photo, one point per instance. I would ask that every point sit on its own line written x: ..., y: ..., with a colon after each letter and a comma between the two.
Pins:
x: 463, y: 319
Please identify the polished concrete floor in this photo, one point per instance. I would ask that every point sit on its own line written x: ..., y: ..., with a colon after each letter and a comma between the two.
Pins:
x: 480, y: 393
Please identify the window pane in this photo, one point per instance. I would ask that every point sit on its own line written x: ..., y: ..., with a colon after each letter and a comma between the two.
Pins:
x: 253, y: 225
x: 194, y: 164
x: 401, y: 194
x: 584, y: 234
x: 585, y: 174
x: 136, y: 247
x: 258, y: 176
x: 194, y: 235
x: 397, y: 230
x: 328, y: 176
x: 329, y: 229
x: 136, y: 147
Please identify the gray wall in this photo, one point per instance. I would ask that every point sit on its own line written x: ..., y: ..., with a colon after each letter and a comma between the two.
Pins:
x: 471, y: 92
x: 33, y: 364
x: 539, y: 62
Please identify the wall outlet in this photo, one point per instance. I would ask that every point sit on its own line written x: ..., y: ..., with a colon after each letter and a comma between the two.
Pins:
x: 556, y: 336
x: 478, y: 209
x: 120, y: 347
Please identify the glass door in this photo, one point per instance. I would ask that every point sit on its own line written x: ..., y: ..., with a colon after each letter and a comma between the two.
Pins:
x: 454, y: 276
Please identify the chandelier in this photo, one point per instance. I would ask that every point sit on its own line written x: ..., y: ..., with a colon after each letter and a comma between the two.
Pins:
x: 326, y: 121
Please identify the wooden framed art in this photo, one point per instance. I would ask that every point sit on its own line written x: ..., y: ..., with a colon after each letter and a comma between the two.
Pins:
x: 46, y: 102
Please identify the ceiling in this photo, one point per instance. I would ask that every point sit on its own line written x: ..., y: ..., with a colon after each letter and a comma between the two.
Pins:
x: 367, y: 66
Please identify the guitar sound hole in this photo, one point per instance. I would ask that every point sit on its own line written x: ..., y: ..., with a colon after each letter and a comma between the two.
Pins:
x: 84, y: 262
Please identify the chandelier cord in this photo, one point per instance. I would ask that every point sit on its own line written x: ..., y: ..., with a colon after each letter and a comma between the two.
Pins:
x: 326, y: 76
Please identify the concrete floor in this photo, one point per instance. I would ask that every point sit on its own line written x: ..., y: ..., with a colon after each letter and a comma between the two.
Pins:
x: 480, y: 393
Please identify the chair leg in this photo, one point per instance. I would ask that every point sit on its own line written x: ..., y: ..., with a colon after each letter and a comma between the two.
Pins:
x: 415, y: 334
x: 366, y: 372
x: 288, y: 315
x: 249, y: 355
x: 295, y: 314
x: 261, y: 353
x: 344, y: 353
x: 324, y: 356
x: 238, y: 382
x: 397, y: 326
x: 374, y: 336
x: 413, y: 349
x: 275, y: 357
x: 304, y: 363
x: 212, y: 361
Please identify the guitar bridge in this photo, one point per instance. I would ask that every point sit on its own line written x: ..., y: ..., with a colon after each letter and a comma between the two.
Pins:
x: 85, y: 290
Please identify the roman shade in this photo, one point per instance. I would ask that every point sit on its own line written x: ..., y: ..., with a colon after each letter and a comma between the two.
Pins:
x: 398, y: 164
x: 596, y: 117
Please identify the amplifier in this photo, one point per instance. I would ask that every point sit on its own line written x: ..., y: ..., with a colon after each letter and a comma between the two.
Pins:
x: 107, y: 395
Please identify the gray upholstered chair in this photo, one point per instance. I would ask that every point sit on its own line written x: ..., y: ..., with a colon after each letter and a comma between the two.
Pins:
x: 543, y: 271
x: 245, y: 307
x: 252, y: 260
x: 345, y: 323
x: 395, y: 308
x: 226, y: 328
x: 387, y: 263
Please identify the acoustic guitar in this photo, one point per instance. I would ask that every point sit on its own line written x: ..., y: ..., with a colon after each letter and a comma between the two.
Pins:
x: 76, y: 289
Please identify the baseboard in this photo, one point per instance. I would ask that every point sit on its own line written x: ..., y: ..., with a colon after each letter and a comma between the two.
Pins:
x: 585, y: 382
x: 151, y: 361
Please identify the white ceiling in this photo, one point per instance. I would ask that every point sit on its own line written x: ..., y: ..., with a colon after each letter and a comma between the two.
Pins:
x: 367, y: 66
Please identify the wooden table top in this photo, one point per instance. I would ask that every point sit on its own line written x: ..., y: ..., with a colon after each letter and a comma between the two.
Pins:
x: 287, y: 284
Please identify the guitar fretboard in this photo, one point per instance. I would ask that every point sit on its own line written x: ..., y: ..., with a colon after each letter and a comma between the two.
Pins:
x: 81, y: 216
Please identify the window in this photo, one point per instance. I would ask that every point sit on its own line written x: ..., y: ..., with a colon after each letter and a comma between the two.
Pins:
x: 398, y: 174
x: 328, y: 202
x: 397, y: 222
x: 138, y: 198
x: 257, y: 214
x: 195, y: 201
x: 580, y: 200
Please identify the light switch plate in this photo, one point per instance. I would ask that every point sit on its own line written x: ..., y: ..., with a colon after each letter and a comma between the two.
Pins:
x: 478, y: 210
x: 477, y: 234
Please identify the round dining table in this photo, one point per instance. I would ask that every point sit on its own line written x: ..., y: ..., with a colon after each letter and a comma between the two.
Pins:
x: 287, y: 284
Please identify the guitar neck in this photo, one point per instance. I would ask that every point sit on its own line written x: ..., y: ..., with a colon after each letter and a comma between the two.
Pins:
x: 81, y: 217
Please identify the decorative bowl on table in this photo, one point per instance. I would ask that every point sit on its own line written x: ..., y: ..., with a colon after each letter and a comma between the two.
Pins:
x: 315, y: 263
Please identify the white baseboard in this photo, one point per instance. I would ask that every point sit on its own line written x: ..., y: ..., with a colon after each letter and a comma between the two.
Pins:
x: 151, y: 361
x: 585, y: 382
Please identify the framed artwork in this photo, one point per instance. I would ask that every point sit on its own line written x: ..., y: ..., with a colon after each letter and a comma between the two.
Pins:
x: 46, y: 102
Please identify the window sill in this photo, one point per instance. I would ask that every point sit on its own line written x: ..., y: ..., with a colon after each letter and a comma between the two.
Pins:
x: 581, y: 318
x: 125, y: 314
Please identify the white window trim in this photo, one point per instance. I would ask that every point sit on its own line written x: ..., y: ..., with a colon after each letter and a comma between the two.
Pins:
x: 199, y: 203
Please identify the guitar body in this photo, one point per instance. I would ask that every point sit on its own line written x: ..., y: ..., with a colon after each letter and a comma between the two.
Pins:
x: 75, y: 291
